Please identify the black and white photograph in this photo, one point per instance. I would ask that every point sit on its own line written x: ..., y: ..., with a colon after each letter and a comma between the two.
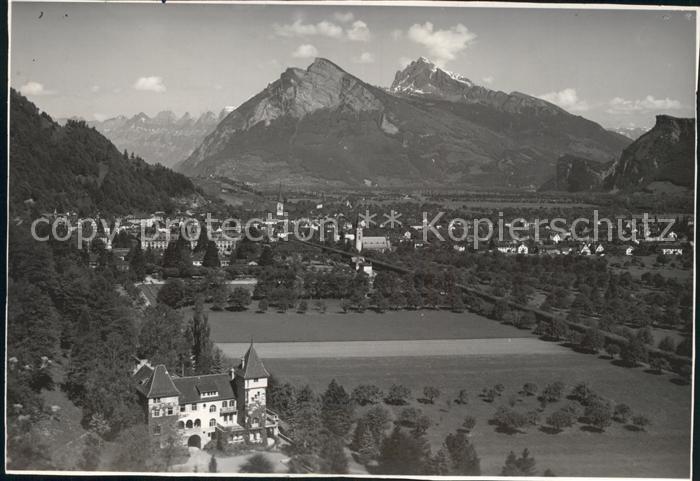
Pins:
x: 361, y: 239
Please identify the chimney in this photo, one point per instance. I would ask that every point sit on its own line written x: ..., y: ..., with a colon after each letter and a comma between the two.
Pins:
x: 232, y: 372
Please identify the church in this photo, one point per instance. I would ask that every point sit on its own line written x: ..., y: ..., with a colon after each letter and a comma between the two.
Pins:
x: 231, y: 406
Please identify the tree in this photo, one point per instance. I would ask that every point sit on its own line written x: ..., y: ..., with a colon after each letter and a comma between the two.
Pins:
x: 552, y: 392
x: 336, y: 410
x: 266, y: 257
x: 667, y: 344
x: 404, y: 454
x: 377, y: 420
x: 306, y: 423
x: 366, y: 394
x: 239, y: 300
x: 469, y: 423
x: 219, y: 295
x: 641, y: 422
x: 172, y: 293
x: 529, y: 389
x: 263, y: 305
x: 612, y: 349
x: 202, y: 344
x: 137, y: 262
x: 345, y: 305
x: 430, y: 393
x: 599, y: 414
x: 463, y: 397
x: 303, y: 306
x: 398, y: 395
x: 561, y: 419
x: 634, y: 352
x: 658, y: 364
x: 333, y: 456
x: 519, y: 466
x: 212, y: 465
x: 211, y: 255
x: 257, y: 463
x: 583, y: 394
x: 510, y: 420
x: 593, y: 340
x: 174, y: 350
x: 321, y: 306
x: 423, y: 422
x: 408, y: 416
x: 622, y: 413
x: 364, y: 442
x: 463, y: 458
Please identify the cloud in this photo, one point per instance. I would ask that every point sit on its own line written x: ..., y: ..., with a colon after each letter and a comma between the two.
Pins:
x: 404, y: 61
x: 566, y: 99
x: 99, y: 117
x: 299, y: 29
x: 34, y: 89
x: 365, y: 57
x: 488, y: 80
x: 359, y: 31
x: 618, y: 105
x: 151, y: 84
x: 94, y: 89
x: 396, y: 34
x: 344, y: 17
x: 305, y: 51
x: 443, y: 45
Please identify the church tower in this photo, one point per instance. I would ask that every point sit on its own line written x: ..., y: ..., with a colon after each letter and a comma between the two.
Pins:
x: 359, y: 224
x: 280, y: 203
x: 250, y: 379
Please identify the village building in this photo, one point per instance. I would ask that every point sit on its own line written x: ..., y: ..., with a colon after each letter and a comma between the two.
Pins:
x: 230, y: 406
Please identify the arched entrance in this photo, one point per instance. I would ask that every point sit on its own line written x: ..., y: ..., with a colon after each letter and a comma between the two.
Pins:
x: 194, y: 442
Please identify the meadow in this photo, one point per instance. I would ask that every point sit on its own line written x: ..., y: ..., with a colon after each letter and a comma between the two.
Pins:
x: 236, y: 327
x: 661, y: 451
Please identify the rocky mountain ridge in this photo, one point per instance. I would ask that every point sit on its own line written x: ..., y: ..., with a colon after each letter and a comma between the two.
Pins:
x: 324, y: 125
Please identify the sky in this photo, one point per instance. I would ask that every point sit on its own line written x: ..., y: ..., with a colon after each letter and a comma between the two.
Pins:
x: 100, y: 60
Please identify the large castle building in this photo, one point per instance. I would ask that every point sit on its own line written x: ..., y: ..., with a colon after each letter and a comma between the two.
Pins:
x: 202, y: 408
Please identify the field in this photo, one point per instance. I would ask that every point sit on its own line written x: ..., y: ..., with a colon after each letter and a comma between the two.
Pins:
x: 662, y: 451
x: 238, y: 327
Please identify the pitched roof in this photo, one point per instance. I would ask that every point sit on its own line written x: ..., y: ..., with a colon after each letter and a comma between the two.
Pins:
x: 251, y: 366
x: 160, y: 384
x: 143, y: 374
x: 190, y: 387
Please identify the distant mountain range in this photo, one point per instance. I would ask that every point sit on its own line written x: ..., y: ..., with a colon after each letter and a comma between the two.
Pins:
x: 631, y: 132
x: 323, y: 125
x: 662, y: 159
x: 162, y: 139
x: 74, y: 167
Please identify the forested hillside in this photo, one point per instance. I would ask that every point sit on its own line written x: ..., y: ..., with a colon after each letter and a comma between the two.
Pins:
x: 75, y: 167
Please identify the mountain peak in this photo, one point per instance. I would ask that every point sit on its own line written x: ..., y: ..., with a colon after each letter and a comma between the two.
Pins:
x: 423, y: 77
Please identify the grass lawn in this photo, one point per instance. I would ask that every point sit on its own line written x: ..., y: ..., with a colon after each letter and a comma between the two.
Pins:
x: 662, y: 451
x: 271, y: 326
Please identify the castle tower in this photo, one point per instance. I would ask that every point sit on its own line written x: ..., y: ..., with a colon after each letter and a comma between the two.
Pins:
x: 250, y: 379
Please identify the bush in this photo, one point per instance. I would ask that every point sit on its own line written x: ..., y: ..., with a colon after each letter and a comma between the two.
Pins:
x: 510, y: 419
x: 634, y: 352
x: 257, y: 463
x: 408, y: 416
x: 462, y: 397
x: 612, y: 349
x: 469, y: 423
x: 552, y: 392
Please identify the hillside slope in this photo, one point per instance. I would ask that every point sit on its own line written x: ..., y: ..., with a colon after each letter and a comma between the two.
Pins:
x: 75, y: 167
